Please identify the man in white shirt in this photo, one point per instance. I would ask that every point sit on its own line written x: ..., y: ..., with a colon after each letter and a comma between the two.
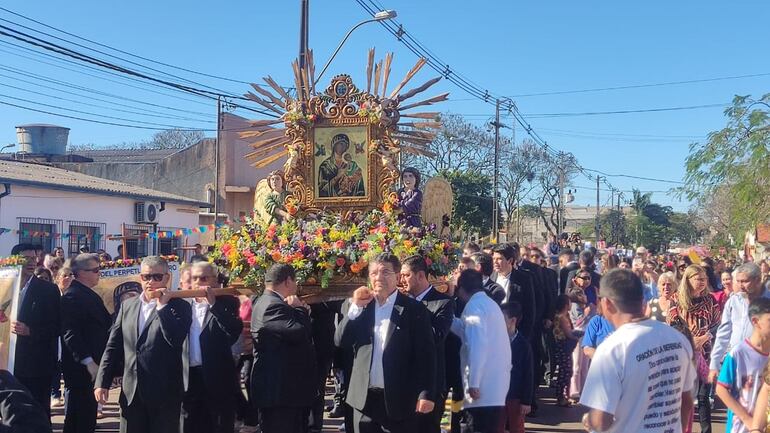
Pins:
x: 146, y: 341
x: 394, y: 354
x: 641, y: 377
x: 485, y: 355
x: 736, y: 324
x: 211, y: 378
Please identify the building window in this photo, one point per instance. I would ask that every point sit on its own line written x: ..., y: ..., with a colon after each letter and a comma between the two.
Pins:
x: 136, y: 248
x: 40, y: 231
x: 168, y: 246
x: 86, y: 234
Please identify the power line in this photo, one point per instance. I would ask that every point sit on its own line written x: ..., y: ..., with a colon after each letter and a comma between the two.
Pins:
x: 128, y: 53
x: 635, y: 177
x: 105, y: 107
x: 639, y: 86
x: 32, y: 40
x: 644, y: 110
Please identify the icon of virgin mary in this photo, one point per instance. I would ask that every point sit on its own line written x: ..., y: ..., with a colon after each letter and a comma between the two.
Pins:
x: 339, y: 175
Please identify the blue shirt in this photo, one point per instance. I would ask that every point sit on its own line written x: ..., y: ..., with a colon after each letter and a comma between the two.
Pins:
x: 597, y: 330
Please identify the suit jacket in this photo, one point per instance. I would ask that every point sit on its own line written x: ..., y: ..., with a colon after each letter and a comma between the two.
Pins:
x: 18, y: 409
x: 284, y: 369
x: 221, y: 329
x: 408, y: 360
x: 85, y: 330
x: 538, y: 287
x: 521, y: 290
x: 37, y: 353
x: 522, y: 385
x: 152, y: 357
x: 494, y: 291
x: 552, y: 291
x: 564, y: 276
x: 441, y: 309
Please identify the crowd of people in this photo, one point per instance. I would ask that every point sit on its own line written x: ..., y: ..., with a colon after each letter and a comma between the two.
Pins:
x: 642, y: 342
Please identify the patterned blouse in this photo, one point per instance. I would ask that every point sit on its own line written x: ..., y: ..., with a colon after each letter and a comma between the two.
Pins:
x: 703, y: 317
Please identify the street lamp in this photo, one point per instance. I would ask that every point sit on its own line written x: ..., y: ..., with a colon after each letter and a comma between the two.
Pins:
x: 7, y: 146
x: 379, y: 16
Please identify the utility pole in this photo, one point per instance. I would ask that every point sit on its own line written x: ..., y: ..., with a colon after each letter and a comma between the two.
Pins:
x: 560, y: 210
x: 303, y: 39
x: 598, y: 179
x: 495, y: 211
x: 216, y: 165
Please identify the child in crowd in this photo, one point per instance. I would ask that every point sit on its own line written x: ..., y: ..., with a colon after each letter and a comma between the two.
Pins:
x: 518, y: 402
x: 740, y: 378
x: 566, y: 340
x: 583, y: 297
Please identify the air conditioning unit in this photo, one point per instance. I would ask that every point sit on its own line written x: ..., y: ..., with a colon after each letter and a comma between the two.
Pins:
x: 146, y: 212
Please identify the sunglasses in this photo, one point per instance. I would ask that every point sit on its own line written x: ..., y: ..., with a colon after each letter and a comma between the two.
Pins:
x: 94, y: 270
x: 584, y: 277
x: 153, y: 277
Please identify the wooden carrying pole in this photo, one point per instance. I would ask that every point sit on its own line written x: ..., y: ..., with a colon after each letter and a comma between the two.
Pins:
x: 196, y: 293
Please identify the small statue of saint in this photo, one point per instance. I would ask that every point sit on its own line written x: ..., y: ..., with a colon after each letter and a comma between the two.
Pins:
x: 410, y: 196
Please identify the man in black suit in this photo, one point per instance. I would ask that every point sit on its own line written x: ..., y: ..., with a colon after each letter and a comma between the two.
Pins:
x: 147, y: 340
x: 518, y: 285
x: 85, y: 329
x: 283, y: 377
x: 211, y: 378
x: 567, y: 264
x: 414, y: 274
x: 485, y: 266
x: 394, y: 353
x: 19, y: 411
x: 37, y: 329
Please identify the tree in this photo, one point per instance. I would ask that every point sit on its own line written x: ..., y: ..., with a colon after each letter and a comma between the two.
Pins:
x: 459, y: 145
x: 735, y: 160
x: 167, y: 139
x: 685, y: 228
x: 472, y: 201
x: 520, y: 166
x: 554, y: 171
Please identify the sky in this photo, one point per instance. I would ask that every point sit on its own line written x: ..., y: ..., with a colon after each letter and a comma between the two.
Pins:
x: 511, y: 48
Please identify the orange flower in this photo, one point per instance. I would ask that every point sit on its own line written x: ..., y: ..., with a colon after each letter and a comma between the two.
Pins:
x: 276, y: 255
x: 408, y: 244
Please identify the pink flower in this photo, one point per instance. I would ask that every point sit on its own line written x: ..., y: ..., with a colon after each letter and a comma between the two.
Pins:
x: 428, y: 261
x: 252, y: 260
x: 340, y: 262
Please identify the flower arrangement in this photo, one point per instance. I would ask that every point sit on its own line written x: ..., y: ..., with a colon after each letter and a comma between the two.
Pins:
x: 295, y: 115
x: 13, y: 261
x: 372, y: 112
x: 127, y: 263
x: 323, y: 246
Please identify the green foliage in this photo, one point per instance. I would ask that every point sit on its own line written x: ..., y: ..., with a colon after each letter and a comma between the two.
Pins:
x: 735, y: 162
x: 472, y: 200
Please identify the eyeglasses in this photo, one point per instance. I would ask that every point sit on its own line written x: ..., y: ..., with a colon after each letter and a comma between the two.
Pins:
x: 583, y: 277
x: 153, y: 277
x: 94, y: 270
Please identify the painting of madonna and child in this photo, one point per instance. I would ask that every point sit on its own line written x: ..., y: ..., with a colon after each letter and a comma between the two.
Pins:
x: 341, y: 161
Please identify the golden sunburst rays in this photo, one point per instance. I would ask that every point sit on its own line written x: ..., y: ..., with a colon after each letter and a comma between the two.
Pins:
x: 409, y: 131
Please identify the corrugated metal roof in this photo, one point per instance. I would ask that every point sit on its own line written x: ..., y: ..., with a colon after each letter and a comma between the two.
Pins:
x: 17, y: 172
x: 126, y: 155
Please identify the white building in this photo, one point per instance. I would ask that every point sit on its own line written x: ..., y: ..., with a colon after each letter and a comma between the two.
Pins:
x: 53, y: 207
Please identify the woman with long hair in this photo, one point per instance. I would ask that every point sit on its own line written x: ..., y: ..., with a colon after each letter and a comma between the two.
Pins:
x: 695, y: 305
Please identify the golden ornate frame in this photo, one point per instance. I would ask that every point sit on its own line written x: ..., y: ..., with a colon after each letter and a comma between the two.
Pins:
x: 341, y: 105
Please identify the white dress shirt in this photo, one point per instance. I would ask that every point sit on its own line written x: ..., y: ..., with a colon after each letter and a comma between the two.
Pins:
x: 735, y: 327
x: 382, y: 315
x: 505, y: 282
x: 485, y: 357
x: 145, y: 309
x: 200, y: 309
x: 422, y: 295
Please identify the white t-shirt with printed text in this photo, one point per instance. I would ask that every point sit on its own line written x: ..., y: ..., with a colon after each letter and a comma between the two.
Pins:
x: 638, y: 375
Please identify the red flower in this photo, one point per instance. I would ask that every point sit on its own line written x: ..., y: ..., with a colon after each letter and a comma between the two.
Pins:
x: 252, y: 260
x: 340, y: 244
x: 428, y: 261
x: 340, y: 262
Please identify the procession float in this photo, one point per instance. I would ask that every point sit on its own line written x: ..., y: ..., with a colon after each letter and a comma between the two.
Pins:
x: 341, y: 196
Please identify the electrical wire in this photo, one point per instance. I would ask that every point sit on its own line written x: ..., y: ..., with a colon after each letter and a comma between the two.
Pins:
x: 643, y: 110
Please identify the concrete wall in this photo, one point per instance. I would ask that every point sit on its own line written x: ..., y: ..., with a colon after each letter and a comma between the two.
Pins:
x: 39, y: 202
